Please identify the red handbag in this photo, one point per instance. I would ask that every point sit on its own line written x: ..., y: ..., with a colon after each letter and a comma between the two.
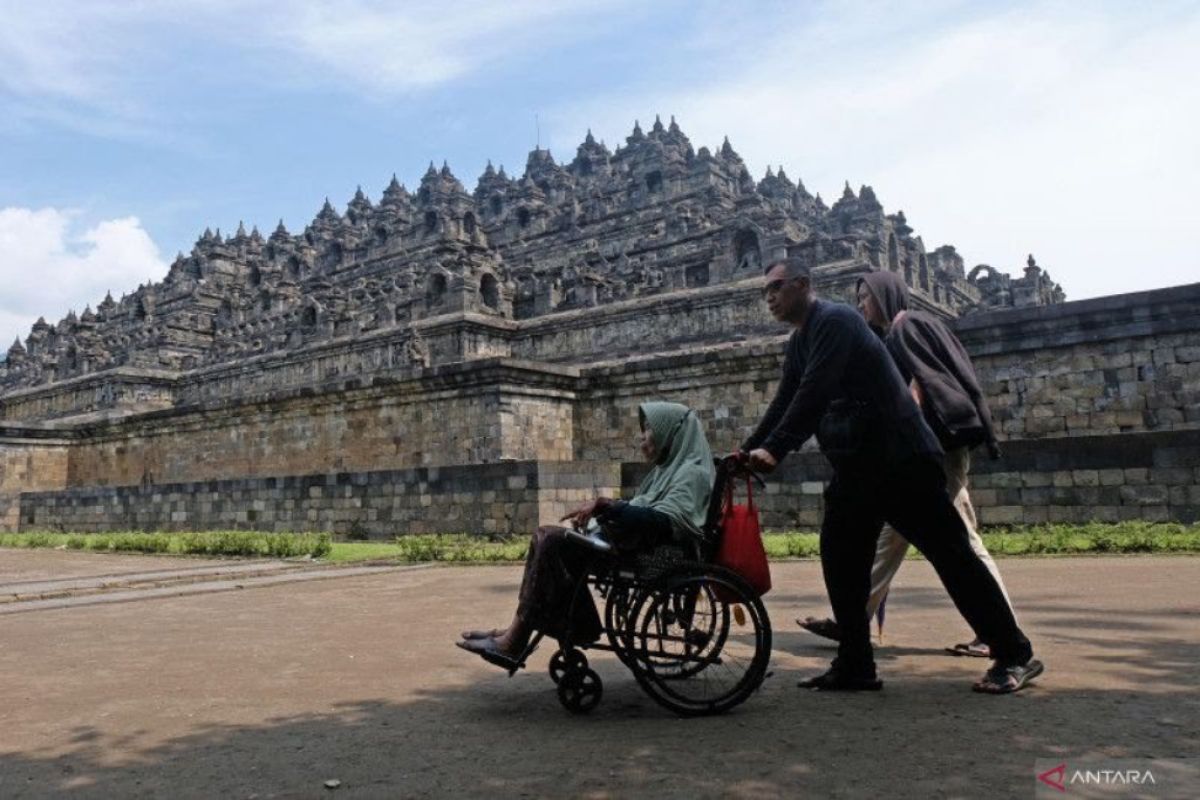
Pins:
x: 741, y: 547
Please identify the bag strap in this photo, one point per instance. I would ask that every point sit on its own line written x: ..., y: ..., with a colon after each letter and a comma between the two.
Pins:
x: 750, y: 494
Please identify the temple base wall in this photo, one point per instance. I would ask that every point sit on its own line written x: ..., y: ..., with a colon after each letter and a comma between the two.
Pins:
x: 30, y: 460
x: 1097, y: 402
x: 501, y: 498
x: 1153, y: 477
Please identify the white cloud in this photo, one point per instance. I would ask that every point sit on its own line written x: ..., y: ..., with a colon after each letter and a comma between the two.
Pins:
x: 48, y: 269
x: 59, y: 54
x: 390, y: 48
x: 1066, y: 130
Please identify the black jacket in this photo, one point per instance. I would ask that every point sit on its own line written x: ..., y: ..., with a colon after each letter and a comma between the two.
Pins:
x: 835, y: 356
x: 926, y: 350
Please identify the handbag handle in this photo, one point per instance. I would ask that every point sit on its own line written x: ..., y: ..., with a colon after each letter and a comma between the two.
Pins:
x: 728, y: 502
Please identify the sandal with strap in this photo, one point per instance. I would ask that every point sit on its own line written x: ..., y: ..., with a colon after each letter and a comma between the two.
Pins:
x: 972, y: 649
x: 1008, y: 679
x: 837, y: 679
x: 490, y: 651
x: 825, y: 628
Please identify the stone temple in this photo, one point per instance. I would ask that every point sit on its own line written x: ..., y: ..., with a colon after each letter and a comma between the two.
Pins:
x: 449, y: 360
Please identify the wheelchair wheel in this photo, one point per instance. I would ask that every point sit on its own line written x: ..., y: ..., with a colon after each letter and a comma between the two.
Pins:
x: 580, y: 690
x: 618, y: 628
x: 565, y: 661
x: 695, y: 652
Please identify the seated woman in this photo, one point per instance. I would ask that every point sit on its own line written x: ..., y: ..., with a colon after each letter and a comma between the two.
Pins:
x: 670, y: 506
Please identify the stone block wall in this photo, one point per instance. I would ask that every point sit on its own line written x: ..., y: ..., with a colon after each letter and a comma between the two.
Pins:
x: 117, y: 392
x: 565, y: 485
x: 508, y: 497
x: 457, y: 414
x: 1099, y: 377
x: 653, y: 324
x: 1151, y: 476
x: 1112, y: 478
x: 1116, y: 364
x: 30, y: 460
x: 729, y: 387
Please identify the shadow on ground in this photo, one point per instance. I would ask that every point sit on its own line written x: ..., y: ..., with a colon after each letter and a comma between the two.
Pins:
x: 510, y: 738
x: 412, y: 716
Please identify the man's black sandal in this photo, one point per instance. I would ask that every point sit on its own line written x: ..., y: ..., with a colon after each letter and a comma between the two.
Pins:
x: 825, y: 628
x: 1009, y: 679
x: 836, y: 680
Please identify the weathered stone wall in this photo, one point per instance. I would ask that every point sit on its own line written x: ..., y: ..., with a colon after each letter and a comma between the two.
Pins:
x: 672, y: 321
x: 121, y: 391
x: 1152, y: 476
x: 1136, y: 476
x: 457, y: 414
x: 1114, y: 364
x: 30, y: 460
x: 506, y: 497
x: 729, y: 388
x: 1107, y: 373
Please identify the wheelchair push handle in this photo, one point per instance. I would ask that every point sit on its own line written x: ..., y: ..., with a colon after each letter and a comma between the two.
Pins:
x: 737, y: 464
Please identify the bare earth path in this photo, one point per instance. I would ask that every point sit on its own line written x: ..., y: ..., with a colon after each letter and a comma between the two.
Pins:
x: 273, y: 690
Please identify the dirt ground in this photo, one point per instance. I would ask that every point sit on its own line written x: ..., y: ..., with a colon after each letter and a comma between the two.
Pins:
x: 271, y: 692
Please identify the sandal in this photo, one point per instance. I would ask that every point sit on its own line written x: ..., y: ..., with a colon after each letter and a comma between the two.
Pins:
x: 837, y: 679
x: 825, y: 628
x: 1008, y: 679
x: 972, y: 649
x: 490, y: 651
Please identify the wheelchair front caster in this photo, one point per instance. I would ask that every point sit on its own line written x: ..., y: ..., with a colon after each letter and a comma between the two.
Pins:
x: 564, y: 661
x: 579, y: 690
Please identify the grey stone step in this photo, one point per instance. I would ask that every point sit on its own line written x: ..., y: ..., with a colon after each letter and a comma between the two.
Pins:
x: 23, y: 591
x: 198, y: 588
x: 199, y: 564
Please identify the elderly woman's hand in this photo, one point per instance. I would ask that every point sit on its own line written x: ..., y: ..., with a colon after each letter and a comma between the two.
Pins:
x: 580, y: 516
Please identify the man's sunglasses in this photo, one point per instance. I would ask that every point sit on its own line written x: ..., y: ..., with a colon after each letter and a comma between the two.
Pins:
x: 777, y: 284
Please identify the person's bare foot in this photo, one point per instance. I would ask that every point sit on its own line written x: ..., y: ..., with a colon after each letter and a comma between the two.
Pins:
x: 492, y: 634
x: 511, y: 643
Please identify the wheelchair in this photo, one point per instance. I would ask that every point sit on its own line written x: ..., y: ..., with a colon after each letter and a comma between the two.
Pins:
x: 695, y: 635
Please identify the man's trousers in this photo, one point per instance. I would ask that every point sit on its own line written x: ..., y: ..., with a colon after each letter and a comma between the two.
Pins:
x: 892, y: 547
x: 911, y: 496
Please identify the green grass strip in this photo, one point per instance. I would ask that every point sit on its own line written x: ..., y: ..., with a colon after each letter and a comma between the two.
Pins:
x: 461, y: 548
x: 208, y: 543
x: 1128, y: 537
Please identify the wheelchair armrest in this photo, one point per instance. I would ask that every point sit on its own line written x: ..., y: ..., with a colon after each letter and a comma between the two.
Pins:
x: 594, y: 540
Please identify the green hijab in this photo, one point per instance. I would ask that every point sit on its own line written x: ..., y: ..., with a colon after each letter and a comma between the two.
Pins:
x: 682, y: 478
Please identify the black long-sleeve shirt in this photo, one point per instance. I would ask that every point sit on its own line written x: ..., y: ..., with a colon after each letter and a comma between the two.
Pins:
x: 836, y: 356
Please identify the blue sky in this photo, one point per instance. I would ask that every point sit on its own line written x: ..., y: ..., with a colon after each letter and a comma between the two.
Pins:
x: 126, y: 128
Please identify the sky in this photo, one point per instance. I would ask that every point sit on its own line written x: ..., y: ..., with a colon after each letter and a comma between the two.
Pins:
x: 1067, y: 130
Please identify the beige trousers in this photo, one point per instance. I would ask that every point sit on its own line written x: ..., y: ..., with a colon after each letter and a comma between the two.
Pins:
x: 892, y: 547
